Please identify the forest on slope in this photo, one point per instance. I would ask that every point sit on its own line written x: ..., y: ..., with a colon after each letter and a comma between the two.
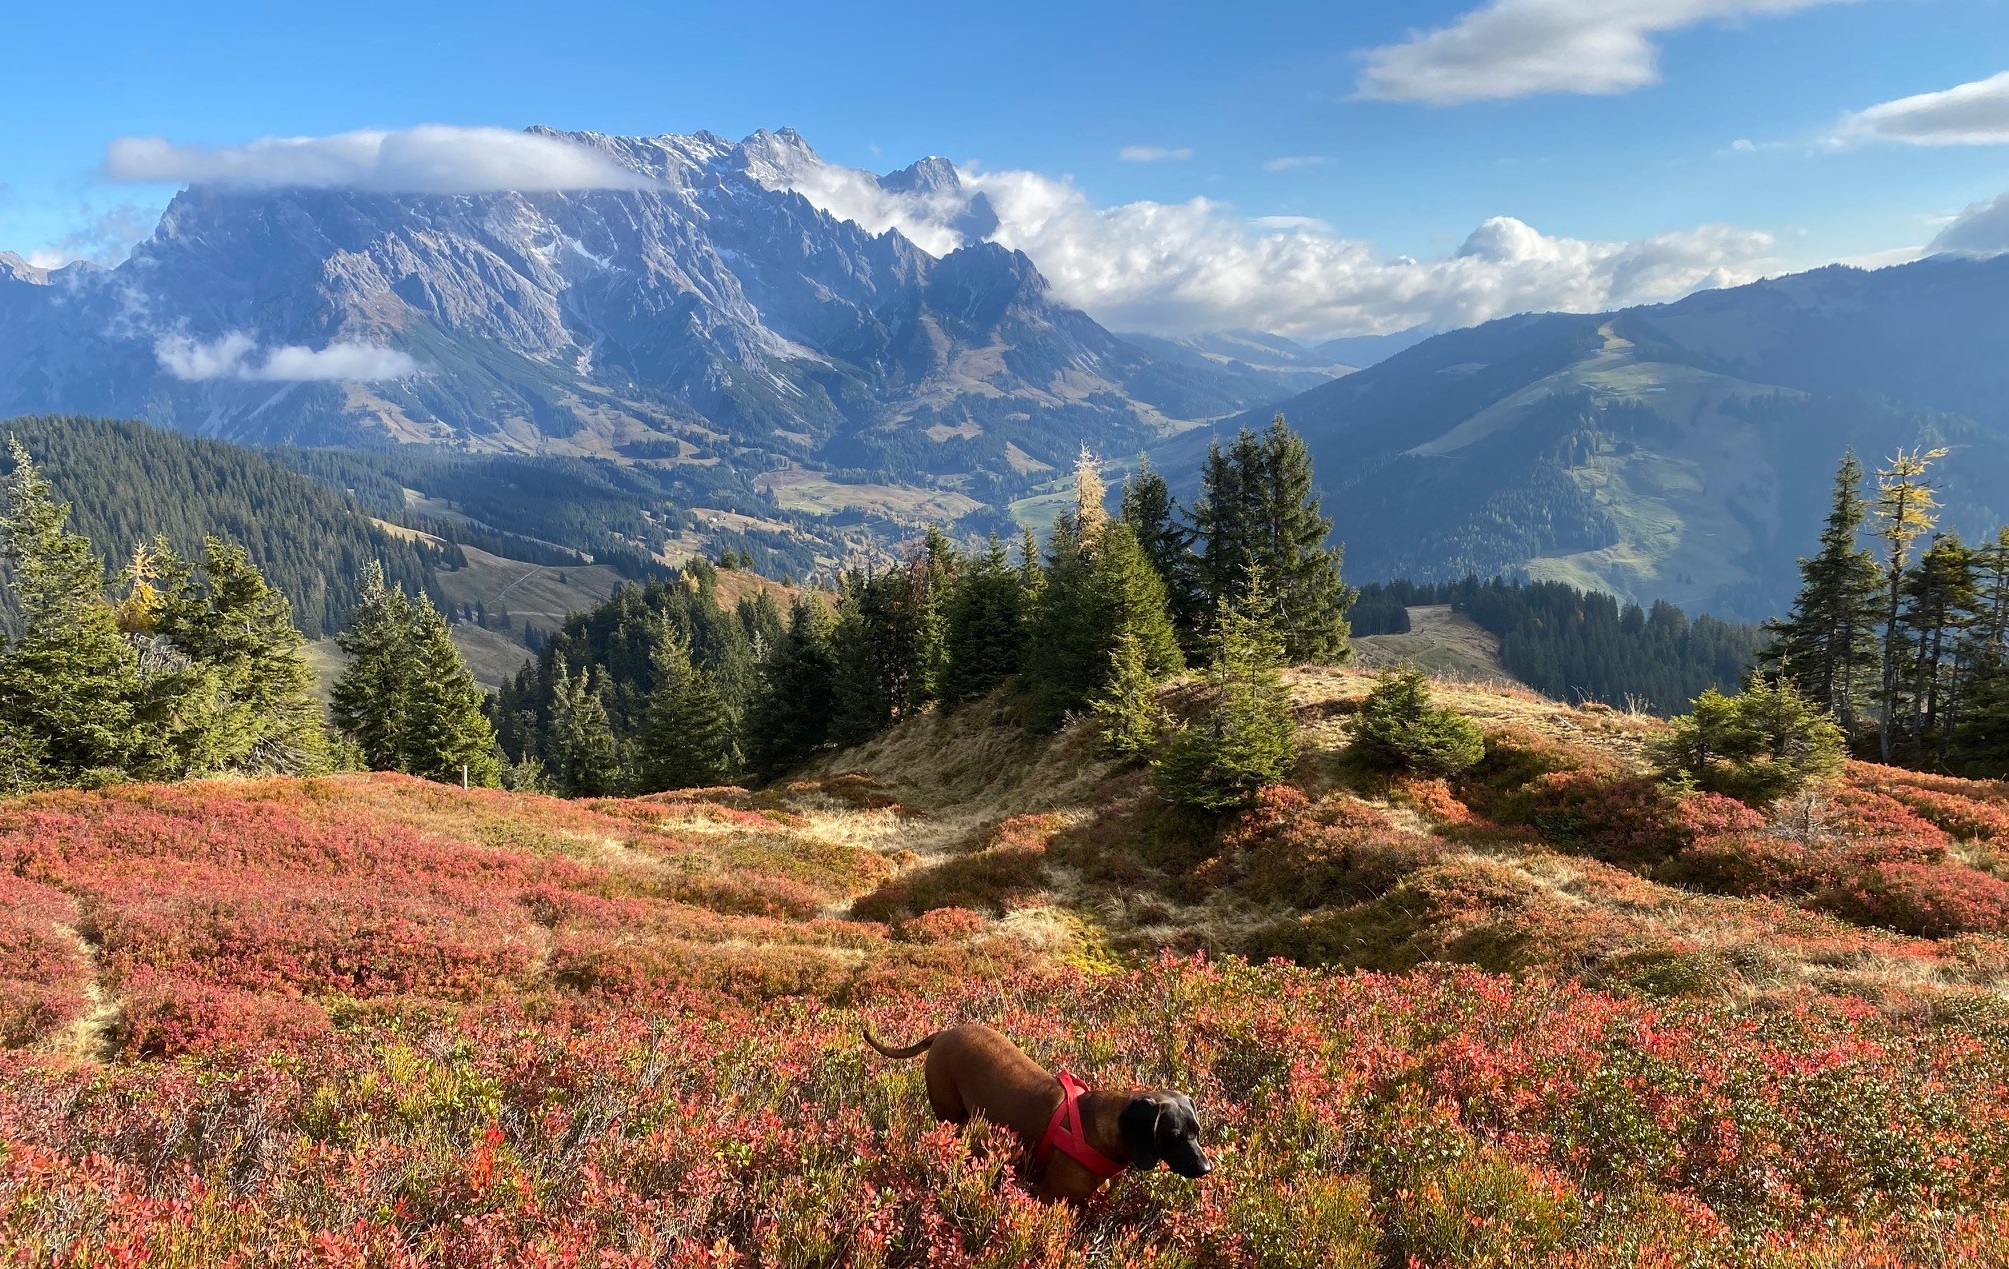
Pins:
x: 127, y: 482
x: 1573, y: 645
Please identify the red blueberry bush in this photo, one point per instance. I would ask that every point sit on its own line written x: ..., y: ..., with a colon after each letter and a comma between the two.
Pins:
x: 372, y: 1022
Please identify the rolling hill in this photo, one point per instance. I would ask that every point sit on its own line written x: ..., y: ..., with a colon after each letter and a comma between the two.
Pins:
x: 1680, y: 452
x: 365, y: 1019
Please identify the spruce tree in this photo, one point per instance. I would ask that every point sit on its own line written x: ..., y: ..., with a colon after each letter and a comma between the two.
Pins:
x: 370, y: 696
x: 1093, y: 595
x: 1981, y: 737
x: 70, y: 685
x: 687, y: 735
x: 1153, y: 515
x: 229, y: 619
x: 1248, y: 736
x: 446, y: 734
x: 1940, y: 597
x: 1763, y: 744
x: 789, y: 718
x: 581, y: 758
x: 1259, y: 512
x: 931, y: 581
x: 1829, y: 643
x: 873, y: 650
x: 1128, y: 706
x: 1398, y: 729
x: 984, y: 627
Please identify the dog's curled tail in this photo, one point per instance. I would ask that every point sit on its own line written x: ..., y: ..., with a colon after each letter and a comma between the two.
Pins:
x: 913, y: 1050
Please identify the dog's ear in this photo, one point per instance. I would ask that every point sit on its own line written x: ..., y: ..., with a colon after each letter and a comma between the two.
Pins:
x: 1138, y: 1124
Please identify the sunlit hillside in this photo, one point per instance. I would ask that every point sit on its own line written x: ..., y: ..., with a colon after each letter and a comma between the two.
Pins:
x: 1547, y: 1013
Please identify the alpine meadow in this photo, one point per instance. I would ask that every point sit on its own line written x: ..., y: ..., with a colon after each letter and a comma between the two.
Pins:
x: 1364, y: 638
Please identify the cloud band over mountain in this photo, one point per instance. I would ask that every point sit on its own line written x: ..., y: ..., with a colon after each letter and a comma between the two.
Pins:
x: 1165, y: 268
x: 236, y: 356
x: 432, y: 159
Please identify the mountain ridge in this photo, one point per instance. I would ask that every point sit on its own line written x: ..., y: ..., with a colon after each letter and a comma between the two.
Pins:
x: 706, y: 311
x: 1679, y: 451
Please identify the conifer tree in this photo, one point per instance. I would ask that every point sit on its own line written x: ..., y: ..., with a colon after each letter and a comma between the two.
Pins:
x: 1091, y: 498
x: 1981, y: 736
x: 1153, y: 515
x: 1128, y: 706
x: 687, y: 734
x: 446, y: 733
x: 582, y: 758
x: 1905, y: 508
x: 874, y: 648
x: 931, y: 581
x: 789, y: 719
x: 1093, y: 596
x: 1259, y: 511
x: 1940, y: 597
x: 369, y: 698
x: 984, y: 627
x: 1828, y: 644
x: 70, y: 684
x: 1766, y: 742
x: 1248, y: 736
x: 229, y: 619
x: 1400, y: 730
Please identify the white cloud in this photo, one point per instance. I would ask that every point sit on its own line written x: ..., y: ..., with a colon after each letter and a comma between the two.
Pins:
x: 1152, y: 153
x: 232, y: 356
x: 1286, y: 162
x: 1515, y: 48
x: 1744, y: 145
x: 1200, y: 265
x: 1982, y: 229
x: 432, y: 159
x: 1967, y: 114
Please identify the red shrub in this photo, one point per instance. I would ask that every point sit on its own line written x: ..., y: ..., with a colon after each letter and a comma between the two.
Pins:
x: 942, y: 925
x: 1703, y: 815
x: 1289, y: 849
x: 1932, y: 901
x: 42, y: 968
x: 1626, y: 820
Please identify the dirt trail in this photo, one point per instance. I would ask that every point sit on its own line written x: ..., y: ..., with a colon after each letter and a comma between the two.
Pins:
x: 91, y: 1036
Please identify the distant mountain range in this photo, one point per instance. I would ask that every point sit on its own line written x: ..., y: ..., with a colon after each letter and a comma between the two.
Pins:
x: 707, y: 315
x: 735, y: 366
x: 1681, y: 451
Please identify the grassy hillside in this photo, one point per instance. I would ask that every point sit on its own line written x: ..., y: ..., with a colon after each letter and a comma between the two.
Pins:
x: 1444, y: 643
x: 1678, y: 452
x: 368, y: 1020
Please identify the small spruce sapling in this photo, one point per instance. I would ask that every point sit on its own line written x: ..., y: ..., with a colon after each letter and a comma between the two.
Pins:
x: 1400, y: 730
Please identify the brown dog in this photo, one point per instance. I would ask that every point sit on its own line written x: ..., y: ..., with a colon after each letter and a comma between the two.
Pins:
x: 1078, y: 1139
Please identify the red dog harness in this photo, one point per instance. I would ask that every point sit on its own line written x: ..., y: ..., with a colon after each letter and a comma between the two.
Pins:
x: 1063, y: 1132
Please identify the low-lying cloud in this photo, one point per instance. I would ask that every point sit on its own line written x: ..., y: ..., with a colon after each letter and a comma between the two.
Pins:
x: 1966, y: 114
x: 432, y: 159
x: 1175, y: 268
x: 237, y: 356
x: 1517, y: 48
x: 1982, y: 229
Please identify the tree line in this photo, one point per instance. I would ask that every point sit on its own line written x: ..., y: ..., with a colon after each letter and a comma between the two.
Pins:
x: 1900, y: 629
x: 1577, y: 645
x: 172, y: 668
x: 128, y: 481
x: 659, y: 687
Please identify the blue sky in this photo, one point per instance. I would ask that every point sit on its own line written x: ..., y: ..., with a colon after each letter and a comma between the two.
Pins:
x: 1723, y: 113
